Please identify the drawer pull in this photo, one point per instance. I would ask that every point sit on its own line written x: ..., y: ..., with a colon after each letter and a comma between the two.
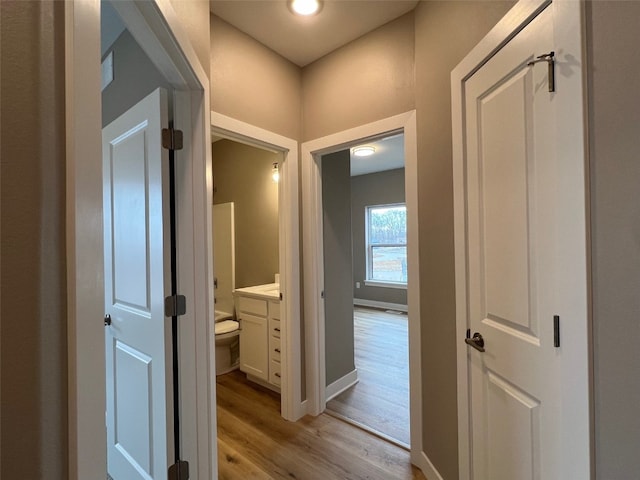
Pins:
x: 277, y: 375
x: 277, y: 350
x: 277, y: 329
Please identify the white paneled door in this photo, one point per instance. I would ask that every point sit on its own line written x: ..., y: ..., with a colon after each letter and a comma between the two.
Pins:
x: 137, y: 279
x: 513, y: 218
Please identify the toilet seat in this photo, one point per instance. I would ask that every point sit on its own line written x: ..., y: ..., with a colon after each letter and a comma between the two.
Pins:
x: 226, y: 326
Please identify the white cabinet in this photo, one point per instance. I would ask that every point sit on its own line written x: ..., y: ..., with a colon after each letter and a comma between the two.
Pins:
x: 259, y: 337
x: 275, y: 374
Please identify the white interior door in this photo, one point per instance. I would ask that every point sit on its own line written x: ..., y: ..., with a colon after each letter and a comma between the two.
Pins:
x: 137, y: 279
x: 514, y: 214
x: 224, y: 256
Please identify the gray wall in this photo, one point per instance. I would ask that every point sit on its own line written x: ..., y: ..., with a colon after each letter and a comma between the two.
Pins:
x: 134, y: 77
x: 373, y: 189
x: 252, y: 83
x: 33, y: 333
x: 445, y: 33
x: 338, y: 278
x: 242, y: 174
x: 614, y: 77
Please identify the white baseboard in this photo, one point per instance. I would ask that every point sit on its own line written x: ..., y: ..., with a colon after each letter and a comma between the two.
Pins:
x: 340, y: 385
x: 427, y: 467
x: 386, y: 305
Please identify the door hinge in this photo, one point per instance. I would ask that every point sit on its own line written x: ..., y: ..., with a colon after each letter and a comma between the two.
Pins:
x: 179, y: 470
x: 556, y: 331
x: 175, y: 305
x: 171, y: 139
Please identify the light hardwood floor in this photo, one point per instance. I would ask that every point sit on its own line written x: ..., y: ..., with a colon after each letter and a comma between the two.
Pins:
x: 255, y: 442
x: 380, y: 399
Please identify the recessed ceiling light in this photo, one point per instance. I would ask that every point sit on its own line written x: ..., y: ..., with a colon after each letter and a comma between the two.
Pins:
x: 305, y: 7
x: 364, y: 151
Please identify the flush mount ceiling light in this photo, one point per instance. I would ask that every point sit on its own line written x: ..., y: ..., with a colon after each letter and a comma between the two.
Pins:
x: 305, y: 7
x: 364, y: 151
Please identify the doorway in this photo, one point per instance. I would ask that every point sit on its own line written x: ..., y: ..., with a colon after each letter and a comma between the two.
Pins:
x: 249, y: 136
x: 365, y: 286
x: 156, y: 27
x: 314, y: 263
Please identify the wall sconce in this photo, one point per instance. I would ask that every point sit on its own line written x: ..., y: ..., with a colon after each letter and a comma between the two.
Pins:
x: 275, y: 173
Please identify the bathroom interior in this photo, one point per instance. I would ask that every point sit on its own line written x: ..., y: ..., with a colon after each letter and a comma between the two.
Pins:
x: 246, y: 259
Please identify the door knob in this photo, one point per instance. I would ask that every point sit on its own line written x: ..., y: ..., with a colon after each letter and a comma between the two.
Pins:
x: 107, y: 320
x: 476, y: 341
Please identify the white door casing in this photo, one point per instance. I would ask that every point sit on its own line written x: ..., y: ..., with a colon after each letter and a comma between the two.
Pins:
x: 137, y: 279
x: 515, y: 271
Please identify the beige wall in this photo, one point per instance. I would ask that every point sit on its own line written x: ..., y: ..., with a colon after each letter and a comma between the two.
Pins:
x: 32, y: 242
x: 242, y: 174
x: 368, y: 79
x: 194, y: 17
x: 445, y: 33
x: 614, y: 77
x: 250, y: 82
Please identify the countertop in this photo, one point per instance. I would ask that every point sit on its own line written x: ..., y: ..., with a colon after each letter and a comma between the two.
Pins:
x: 268, y: 291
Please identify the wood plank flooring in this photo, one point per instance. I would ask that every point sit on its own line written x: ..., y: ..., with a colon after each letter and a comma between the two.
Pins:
x: 380, y: 399
x: 255, y: 442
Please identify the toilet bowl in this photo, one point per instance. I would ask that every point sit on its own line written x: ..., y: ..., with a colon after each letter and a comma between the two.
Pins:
x: 227, y: 333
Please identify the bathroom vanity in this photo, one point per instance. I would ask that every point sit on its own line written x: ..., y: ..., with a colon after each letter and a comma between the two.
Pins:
x: 258, y: 311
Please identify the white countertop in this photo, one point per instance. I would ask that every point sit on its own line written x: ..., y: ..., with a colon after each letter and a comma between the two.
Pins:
x: 268, y: 291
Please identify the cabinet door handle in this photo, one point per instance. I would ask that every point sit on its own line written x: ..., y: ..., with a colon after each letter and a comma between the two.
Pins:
x: 277, y: 375
x: 277, y: 350
x: 277, y: 329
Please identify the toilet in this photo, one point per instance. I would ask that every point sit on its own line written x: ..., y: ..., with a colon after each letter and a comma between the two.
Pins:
x: 227, y: 332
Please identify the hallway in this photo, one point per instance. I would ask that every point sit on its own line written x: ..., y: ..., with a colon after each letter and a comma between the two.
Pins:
x: 255, y: 442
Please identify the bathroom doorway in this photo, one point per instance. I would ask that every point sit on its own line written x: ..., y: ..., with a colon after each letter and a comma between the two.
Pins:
x: 365, y: 286
x: 271, y: 235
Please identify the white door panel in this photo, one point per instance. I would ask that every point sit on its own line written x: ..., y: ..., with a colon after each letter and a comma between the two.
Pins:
x: 137, y: 278
x: 514, y: 384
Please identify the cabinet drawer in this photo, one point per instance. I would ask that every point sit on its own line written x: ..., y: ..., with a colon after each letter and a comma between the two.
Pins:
x: 274, y: 310
x: 274, y: 328
x: 274, y: 344
x: 274, y: 373
x: 252, y: 305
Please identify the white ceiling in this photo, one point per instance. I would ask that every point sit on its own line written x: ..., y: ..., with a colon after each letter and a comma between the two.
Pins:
x: 389, y: 155
x: 305, y: 39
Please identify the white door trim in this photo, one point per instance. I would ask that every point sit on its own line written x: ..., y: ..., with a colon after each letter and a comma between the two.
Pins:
x: 289, y: 252
x: 314, y: 270
x: 570, y: 143
x: 158, y: 30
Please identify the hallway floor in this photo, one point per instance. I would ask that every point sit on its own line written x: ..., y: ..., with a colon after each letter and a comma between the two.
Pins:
x: 254, y: 441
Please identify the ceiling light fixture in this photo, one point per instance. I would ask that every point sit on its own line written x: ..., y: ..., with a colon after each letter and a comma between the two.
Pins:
x: 305, y: 7
x: 364, y: 151
x: 275, y: 173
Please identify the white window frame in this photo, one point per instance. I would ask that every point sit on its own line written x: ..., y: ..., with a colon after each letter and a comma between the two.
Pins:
x: 369, y: 249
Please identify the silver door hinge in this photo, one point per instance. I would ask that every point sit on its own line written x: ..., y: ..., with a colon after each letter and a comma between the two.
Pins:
x: 171, y: 139
x: 175, y: 305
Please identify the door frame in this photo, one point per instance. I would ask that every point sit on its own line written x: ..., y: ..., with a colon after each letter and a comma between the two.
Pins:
x: 313, y: 265
x: 292, y: 406
x: 570, y: 143
x: 157, y: 28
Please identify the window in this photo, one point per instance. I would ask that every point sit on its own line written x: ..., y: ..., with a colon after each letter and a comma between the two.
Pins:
x: 386, y: 237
